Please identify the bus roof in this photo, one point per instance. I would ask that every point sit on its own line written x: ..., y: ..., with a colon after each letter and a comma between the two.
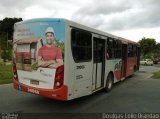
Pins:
x: 77, y: 25
x: 126, y: 41
x: 41, y: 20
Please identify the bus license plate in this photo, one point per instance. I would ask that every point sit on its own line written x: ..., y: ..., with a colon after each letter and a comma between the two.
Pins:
x: 34, y: 82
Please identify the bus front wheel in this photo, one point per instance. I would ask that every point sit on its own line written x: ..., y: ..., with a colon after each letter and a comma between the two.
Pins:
x: 109, y: 83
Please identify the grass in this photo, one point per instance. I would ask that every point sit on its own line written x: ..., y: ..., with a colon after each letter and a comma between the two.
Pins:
x: 5, y: 73
x: 156, y: 75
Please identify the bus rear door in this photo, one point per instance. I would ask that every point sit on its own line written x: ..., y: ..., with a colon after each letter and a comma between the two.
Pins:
x: 98, y: 62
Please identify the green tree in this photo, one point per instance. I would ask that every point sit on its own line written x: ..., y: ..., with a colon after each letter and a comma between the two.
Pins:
x: 7, y: 27
x: 157, y: 50
x: 147, y: 45
x: 6, y: 33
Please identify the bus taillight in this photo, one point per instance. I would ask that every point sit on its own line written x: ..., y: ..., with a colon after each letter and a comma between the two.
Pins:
x: 15, y: 72
x: 59, y: 77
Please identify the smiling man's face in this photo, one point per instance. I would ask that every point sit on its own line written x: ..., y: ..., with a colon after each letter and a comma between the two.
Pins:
x: 49, y: 38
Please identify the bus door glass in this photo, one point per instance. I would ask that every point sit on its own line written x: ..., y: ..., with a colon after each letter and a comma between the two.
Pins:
x: 98, y: 62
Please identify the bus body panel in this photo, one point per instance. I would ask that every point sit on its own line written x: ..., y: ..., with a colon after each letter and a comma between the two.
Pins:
x: 109, y: 68
x: 85, y: 85
x: 45, y: 82
x: 82, y: 79
x: 115, y: 67
x: 77, y: 75
x: 132, y: 64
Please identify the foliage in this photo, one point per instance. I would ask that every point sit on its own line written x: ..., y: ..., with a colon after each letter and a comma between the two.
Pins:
x: 148, y: 56
x: 7, y: 26
x: 6, y: 55
x: 149, y: 48
x: 156, y: 75
x: 6, y: 33
x: 157, y: 50
x: 5, y: 73
x: 147, y: 45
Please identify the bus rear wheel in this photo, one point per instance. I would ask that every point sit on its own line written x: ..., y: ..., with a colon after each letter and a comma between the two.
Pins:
x: 109, y: 83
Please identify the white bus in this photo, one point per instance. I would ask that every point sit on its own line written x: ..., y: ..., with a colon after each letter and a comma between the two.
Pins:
x: 64, y: 60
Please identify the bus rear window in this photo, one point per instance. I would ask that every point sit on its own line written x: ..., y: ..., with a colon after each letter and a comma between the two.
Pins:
x: 81, y: 43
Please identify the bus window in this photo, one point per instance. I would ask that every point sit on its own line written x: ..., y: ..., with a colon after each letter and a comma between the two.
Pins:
x: 110, y: 48
x: 117, y: 49
x: 81, y: 43
x: 130, y: 50
x: 134, y: 51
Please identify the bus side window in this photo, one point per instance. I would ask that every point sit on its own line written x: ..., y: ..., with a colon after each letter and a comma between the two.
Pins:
x: 81, y: 43
x: 109, y: 50
x: 130, y: 50
x: 117, y: 49
x: 135, y: 50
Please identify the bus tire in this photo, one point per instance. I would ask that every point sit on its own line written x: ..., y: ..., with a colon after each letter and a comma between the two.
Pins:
x: 109, y: 83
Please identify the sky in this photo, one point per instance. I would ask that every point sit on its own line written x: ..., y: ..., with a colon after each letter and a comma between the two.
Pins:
x: 130, y: 19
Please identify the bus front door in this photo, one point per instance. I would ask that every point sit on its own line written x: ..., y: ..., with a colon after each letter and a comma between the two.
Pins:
x: 98, y: 63
x: 124, y: 61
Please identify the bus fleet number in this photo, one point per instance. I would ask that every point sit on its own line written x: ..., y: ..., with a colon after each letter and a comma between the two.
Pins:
x: 81, y: 67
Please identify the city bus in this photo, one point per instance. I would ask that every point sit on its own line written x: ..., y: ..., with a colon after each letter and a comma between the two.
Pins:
x: 64, y: 60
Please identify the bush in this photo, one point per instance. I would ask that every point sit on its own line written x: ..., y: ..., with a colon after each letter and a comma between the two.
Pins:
x: 6, y: 55
x: 148, y: 56
x: 156, y: 75
x: 5, y: 73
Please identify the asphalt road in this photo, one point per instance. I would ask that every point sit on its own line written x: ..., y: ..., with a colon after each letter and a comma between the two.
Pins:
x: 139, y: 93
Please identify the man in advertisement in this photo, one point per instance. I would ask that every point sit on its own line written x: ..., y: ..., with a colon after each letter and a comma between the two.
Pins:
x: 50, y: 56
